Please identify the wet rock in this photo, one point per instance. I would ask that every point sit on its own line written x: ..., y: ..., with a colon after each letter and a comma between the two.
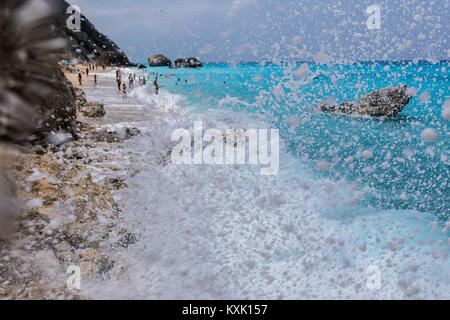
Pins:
x: 116, y: 183
x: 58, y: 107
x: 387, y: 102
x: 8, y: 208
x: 90, y: 109
x: 38, y: 149
x: 104, y: 267
x: 63, y: 251
x: 127, y: 240
x: 93, y: 110
x: 86, y: 45
x: 104, y: 135
x: 113, y: 59
x: 159, y: 60
x: 191, y: 62
x: 80, y: 98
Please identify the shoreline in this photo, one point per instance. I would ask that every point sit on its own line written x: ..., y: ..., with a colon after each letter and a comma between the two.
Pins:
x: 68, y: 212
x: 133, y: 184
x: 70, y: 71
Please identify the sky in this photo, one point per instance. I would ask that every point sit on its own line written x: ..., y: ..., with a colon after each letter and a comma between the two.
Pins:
x: 274, y: 30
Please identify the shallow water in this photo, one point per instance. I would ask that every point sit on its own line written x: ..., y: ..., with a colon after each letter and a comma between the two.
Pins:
x: 226, y: 232
x: 405, y: 171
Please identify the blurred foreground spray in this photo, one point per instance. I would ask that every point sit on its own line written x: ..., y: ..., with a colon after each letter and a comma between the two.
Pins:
x: 28, y: 51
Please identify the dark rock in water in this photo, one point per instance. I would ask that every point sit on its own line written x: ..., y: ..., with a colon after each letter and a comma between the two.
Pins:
x: 159, y: 60
x: 113, y: 59
x: 188, y: 63
x: 141, y: 66
x: 387, y: 102
x: 179, y: 63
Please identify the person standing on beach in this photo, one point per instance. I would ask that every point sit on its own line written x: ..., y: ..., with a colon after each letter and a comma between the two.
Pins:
x: 80, y: 78
x: 95, y: 80
x: 87, y: 72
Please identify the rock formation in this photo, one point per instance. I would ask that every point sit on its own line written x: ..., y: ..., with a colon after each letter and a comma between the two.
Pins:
x: 35, y: 97
x: 188, y: 63
x: 86, y: 45
x: 159, y: 60
x: 91, y: 109
x: 113, y: 59
x: 57, y: 109
x: 387, y: 102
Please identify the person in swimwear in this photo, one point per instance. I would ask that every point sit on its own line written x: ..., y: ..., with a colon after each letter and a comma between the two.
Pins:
x: 124, y: 91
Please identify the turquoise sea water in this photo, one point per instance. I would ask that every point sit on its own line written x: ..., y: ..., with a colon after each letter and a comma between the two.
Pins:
x: 351, y: 192
x: 403, y: 172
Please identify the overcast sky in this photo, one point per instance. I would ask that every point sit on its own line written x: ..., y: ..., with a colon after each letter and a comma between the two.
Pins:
x: 255, y: 30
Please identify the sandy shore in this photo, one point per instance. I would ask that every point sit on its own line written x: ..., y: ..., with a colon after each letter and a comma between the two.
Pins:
x: 87, y: 81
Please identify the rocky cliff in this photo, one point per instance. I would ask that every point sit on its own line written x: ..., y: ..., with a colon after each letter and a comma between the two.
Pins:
x: 35, y: 97
x: 86, y: 45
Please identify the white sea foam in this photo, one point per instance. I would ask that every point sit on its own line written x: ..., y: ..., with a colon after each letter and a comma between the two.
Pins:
x: 228, y: 233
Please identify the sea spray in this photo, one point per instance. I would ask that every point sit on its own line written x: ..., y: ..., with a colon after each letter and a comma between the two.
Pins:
x: 226, y: 232
x: 232, y: 143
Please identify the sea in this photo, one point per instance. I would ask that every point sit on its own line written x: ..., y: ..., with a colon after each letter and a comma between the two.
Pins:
x: 358, y: 210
